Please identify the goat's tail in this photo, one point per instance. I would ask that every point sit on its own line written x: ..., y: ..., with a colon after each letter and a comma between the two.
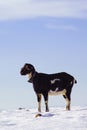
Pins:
x: 74, y: 81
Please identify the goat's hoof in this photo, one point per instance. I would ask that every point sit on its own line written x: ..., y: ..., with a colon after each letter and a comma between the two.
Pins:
x: 47, y: 110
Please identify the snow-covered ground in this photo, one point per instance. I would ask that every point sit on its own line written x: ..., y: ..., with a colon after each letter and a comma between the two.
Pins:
x: 56, y: 119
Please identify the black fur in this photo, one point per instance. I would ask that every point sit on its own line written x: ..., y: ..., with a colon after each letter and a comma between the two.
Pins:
x: 45, y: 83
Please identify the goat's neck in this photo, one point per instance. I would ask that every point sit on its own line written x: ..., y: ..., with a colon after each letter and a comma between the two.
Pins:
x: 31, y: 76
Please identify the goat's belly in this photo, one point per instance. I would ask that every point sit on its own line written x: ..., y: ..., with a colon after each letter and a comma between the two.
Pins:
x: 54, y: 93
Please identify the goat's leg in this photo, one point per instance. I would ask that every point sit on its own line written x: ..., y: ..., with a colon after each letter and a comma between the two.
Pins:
x: 67, y: 104
x: 39, y: 96
x: 46, y: 101
x: 46, y: 104
x: 67, y: 98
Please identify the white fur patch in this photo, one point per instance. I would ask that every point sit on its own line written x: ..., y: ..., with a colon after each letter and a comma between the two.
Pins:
x: 71, y: 82
x: 56, y: 92
x: 54, y: 80
x: 29, y: 75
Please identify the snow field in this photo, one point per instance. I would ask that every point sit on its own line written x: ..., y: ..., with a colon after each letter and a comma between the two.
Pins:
x: 56, y: 119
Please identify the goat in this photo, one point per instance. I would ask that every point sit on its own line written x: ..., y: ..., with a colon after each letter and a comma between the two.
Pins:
x: 49, y: 84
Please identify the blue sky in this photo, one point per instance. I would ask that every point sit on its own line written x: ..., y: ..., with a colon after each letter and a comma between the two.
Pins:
x: 51, y: 35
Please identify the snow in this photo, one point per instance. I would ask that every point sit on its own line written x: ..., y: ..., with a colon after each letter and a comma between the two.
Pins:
x: 56, y: 119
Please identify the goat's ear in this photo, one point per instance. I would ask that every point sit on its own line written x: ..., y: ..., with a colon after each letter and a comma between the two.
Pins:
x: 26, y: 66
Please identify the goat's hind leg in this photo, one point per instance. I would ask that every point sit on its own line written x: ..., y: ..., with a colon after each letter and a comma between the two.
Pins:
x: 68, y: 100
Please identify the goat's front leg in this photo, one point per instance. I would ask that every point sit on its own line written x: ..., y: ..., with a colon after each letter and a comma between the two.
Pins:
x: 39, y: 96
x: 46, y: 101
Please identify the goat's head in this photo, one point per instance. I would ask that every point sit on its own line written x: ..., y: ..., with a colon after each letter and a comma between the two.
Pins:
x: 27, y: 69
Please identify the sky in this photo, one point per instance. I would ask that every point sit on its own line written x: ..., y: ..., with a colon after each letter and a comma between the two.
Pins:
x: 49, y: 34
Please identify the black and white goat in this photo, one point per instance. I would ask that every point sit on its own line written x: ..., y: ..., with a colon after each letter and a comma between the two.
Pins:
x: 49, y: 84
